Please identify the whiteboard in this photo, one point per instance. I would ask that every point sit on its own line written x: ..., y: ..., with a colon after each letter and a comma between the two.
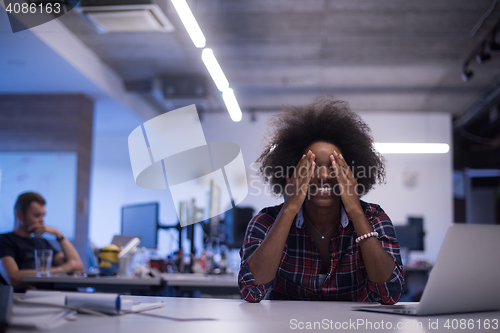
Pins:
x: 51, y: 174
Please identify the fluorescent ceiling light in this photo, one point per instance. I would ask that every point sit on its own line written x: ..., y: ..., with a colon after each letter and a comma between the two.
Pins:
x: 232, y: 104
x: 190, y: 23
x: 411, y: 148
x: 214, y: 69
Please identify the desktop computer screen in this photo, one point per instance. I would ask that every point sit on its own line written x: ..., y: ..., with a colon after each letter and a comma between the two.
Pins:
x: 236, y: 222
x: 411, y: 235
x: 141, y: 220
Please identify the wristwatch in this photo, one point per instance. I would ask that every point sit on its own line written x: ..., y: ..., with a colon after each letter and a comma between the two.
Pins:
x: 60, y: 238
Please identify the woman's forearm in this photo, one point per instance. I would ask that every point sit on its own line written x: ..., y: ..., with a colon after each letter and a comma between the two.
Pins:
x: 265, y: 261
x: 379, y: 264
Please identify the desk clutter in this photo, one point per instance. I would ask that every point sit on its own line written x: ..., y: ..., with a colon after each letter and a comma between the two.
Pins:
x: 132, y: 260
x: 46, y: 310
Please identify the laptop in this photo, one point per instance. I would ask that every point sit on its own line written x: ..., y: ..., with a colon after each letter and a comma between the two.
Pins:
x: 464, y: 278
x: 122, y: 240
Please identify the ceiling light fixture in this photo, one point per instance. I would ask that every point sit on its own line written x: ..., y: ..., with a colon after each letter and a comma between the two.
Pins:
x: 411, y: 148
x: 207, y: 55
x: 493, y: 45
x: 483, y: 57
x: 208, y: 58
x: 190, y: 23
x: 481, y: 51
x: 232, y: 104
x: 467, y: 74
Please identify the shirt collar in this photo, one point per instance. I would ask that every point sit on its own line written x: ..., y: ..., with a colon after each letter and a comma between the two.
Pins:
x: 344, y: 220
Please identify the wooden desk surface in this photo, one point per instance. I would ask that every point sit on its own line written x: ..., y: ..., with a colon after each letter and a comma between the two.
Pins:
x: 268, y: 316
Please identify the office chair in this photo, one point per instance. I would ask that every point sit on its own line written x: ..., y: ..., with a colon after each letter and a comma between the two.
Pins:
x: 6, y: 292
x: 3, y: 282
x: 4, y: 278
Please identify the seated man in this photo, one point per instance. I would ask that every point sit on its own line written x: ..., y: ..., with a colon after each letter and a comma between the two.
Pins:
x: 17, y: 248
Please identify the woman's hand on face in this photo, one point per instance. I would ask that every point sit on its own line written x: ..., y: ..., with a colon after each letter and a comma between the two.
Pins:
x: 346, y: 182
x: 297, y: 186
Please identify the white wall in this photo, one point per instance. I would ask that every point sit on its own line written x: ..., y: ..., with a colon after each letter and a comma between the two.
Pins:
x: 113, y: 184
x: 431, y: 197
x: 112, y: 181
x: 249, y: 135
x: 52, y: 174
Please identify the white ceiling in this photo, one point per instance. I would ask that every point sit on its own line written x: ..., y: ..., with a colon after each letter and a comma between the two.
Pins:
x: 378, y: 55
x: 389, y: 55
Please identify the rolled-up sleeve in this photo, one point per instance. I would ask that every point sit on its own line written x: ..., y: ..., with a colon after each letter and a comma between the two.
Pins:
x: 256, y: 232
x: 390, y: 291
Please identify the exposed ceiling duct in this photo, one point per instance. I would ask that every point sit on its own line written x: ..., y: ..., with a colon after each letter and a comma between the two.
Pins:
x: 477, y: 132
x: 171, y: 92
x: 126, y: 16
x: 488, y: 99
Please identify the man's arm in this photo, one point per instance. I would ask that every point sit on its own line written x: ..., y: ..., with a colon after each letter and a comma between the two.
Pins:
x: 69, y: 260
x: 11, y: 272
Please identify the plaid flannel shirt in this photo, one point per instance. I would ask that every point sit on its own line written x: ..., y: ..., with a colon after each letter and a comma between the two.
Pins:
x: 298, y: 277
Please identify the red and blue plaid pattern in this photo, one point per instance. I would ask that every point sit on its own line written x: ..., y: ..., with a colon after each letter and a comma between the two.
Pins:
x: 298, y: 273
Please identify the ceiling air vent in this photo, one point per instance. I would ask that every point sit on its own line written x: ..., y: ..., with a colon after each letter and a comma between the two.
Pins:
x: 127, y: 18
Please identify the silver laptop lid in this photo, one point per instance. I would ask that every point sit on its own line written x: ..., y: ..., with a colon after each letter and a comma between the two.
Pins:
x: 122, y: 240
x: 466, y: 274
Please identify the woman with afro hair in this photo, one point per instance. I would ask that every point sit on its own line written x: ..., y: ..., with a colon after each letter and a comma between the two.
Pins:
x: 323, y: 242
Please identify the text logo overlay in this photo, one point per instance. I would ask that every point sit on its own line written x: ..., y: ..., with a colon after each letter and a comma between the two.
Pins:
x: 171, y: 149
x: 26, y: 14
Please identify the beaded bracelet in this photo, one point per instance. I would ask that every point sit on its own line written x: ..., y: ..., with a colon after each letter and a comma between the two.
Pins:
x: 370, y: 234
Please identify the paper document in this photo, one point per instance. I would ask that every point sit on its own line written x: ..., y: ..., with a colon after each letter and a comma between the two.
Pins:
x: 130, y: 306
x: 101, y: 302
x: 40, y: 317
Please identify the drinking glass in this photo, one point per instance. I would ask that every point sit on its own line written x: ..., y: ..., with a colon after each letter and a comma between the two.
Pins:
x: 43, y: 262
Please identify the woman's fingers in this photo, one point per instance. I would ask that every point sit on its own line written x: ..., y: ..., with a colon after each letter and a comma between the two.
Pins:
x: 348, y: 184
x: 344, y: 168
x: 305, y: 172
x: 337, y: 173
x: 303, y: 167
x: 302, y: 174
x: 310, y: 166
x: 298, y: 182
x: 311, y: 171
x: 339, y: 164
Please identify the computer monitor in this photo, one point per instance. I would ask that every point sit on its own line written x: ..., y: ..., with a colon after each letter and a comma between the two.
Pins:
x: 236, y: 221
x: 142, y: 220
x: 411, y: 235
x: 213, y: 209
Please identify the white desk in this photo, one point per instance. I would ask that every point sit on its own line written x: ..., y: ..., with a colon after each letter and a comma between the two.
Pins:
x: 268, y: 316
x: 221, y: 285
x: 99, y: 283
x: 200, y: 280
x: 172, y: 279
